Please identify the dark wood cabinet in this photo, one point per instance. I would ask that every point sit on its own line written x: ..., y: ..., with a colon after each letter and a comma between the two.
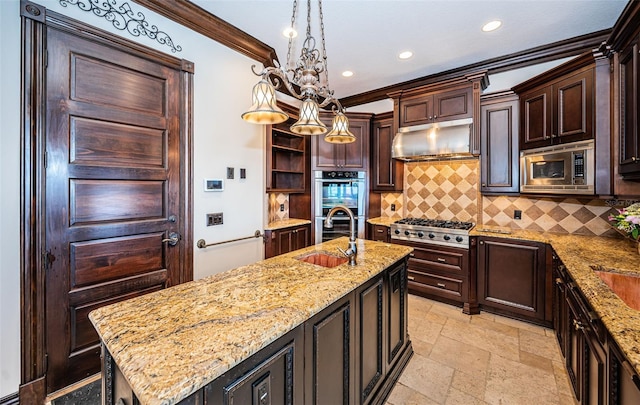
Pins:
x: 369, y: 332
x: 330, y: 355
x: 499, y: 161
x: 512, y: 279
x: 623, y: 381
x: 561, y: 112
x: 435, y: 107
x: 629, y: 69
x: 559, y: 105
x: 379, y: 233
x: 347, y: 156
x: 286, y: 240
x: 386, y: 173
x: 397, y: 310
x: 286, y: 161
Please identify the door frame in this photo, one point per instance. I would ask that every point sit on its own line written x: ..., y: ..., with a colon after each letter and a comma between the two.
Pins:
x: 34, y: 21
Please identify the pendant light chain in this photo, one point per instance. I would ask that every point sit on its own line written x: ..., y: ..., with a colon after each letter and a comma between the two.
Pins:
x: 293, y: 22
x: 324, y: 48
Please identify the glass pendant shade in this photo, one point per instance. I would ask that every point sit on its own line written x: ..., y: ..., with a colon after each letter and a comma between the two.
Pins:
x: 340, y: 132
x: 264, y: 109
x: 309, y: 122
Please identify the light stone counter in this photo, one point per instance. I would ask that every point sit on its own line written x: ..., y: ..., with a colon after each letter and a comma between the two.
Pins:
x: 384, y: 221
x: 579, y: 253
x: 285, y: 223
x: 172, y: 342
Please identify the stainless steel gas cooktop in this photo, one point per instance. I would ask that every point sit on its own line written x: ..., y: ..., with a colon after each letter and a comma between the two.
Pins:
x: 437, y: 231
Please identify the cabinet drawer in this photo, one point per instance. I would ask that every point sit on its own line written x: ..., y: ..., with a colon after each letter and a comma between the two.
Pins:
x: 446, y: 261
x: 436, y: 284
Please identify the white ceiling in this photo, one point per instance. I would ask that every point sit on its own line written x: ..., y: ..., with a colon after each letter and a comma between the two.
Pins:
x: 365, y: 36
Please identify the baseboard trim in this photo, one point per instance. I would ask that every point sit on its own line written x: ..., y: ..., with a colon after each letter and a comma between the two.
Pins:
x: 12, y: 399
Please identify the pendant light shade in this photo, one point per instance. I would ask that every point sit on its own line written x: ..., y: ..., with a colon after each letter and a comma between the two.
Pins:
x: 309, y: 122
x: 264, y: 109
x: 340, y: 132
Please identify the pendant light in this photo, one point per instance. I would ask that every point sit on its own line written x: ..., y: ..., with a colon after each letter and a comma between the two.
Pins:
x: 305, y: 76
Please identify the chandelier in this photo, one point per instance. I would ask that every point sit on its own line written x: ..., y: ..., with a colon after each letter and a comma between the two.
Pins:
x: 305, y: 76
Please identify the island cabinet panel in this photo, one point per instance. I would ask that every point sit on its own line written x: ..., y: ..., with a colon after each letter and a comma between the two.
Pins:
x: 329, y: 352
x: 369, y: 333
x: 512, y: 278
x: 396, y: 326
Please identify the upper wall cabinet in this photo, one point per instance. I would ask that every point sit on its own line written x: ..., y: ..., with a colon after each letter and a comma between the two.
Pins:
x: 556, y: 107
x: 343, y: 156
x: 629, y: 69
x: 435, y: 107
x: 499, y: 143
x: 443, y: 101
x: 386, y: 173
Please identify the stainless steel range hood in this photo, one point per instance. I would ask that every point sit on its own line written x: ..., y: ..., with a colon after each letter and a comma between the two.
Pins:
x: 440, y: 140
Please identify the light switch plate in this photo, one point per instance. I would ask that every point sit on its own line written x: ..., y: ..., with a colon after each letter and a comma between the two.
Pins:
x: 229, y: 172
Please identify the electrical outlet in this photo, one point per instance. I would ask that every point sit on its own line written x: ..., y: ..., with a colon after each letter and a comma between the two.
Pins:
x: 393, y: 207
x: 517, y: 214
x: 214, y: 219
x: 281, y: 207
x: 243, y: 173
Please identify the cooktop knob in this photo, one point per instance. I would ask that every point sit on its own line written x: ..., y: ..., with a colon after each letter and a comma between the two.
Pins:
x: 447, y: 237
x: 407, y: 233
x: 431, y: 236
x: 420, y: 234
x: 459, y: 239
x: 397, y: 231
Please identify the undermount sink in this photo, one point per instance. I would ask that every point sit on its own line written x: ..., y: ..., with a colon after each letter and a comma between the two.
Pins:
x: 625, y: 286
x: 323, y: 259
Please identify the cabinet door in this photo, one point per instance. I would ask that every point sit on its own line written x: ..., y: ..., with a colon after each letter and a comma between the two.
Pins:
x: 397, y: 310
x: 499, y: 147
x: 416, y: 111
x: 624, y: 383
x: 355, y: 155
x: 511, y: 277
x: 369, y: 338
x: 285, y: 241
x: 560, y: 324
x: 386, y: 173
x: 323, y: 154
x: 535, y: 118
x: 453, y: 105
x: 301, y: 237
x: 573, y: 108
x: 629, y: 164
x: 329, y: 355
x: 575, y: 348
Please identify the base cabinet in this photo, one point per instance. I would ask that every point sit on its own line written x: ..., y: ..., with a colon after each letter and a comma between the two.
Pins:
x: 281, y: 241
x: 512, y: 279
x: 379, y: 233
x: 599, y: 374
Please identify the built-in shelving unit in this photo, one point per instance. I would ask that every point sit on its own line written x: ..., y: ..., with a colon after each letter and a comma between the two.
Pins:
x: 285, y: 161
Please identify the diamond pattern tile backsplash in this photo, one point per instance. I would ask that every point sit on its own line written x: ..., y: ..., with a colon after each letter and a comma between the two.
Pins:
x: 275, y: 199
x: 442, y: 189
x: 450, y: 190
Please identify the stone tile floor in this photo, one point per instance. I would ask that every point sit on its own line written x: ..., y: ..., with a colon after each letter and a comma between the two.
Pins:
x: 458, y: 359
x: 478, y: 360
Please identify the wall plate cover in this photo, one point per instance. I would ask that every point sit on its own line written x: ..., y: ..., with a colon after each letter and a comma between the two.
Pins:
x: 229, y: 172
x: 213, y: 185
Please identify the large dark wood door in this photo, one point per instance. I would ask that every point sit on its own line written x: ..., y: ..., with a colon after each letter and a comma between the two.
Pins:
x: 113, y: 191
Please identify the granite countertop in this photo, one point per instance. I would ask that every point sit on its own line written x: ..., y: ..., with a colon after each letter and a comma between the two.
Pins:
x: 172, y: 342
x: 580, y: 255
x: 285, y: 223
x: 384, y: 221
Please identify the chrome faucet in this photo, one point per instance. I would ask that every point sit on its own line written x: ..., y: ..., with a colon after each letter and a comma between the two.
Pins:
x: 328, y: 223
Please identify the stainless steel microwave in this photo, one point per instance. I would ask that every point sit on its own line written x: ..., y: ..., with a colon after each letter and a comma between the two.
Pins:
x: 558, y: 169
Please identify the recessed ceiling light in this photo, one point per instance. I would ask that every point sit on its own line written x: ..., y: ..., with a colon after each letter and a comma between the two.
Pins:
x: 347, y: 73
x: 405, y: 55
x: 290, y: 32
x: 491, y: 25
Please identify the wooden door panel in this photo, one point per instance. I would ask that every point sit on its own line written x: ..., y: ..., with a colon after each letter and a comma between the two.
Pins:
x: 98, y: 261
x: 112, y: 182
x: 127, y: 89
x: 115, y: 200
x: 103, y: 143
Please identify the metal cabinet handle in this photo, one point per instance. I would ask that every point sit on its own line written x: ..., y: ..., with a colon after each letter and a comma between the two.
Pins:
x: 379, y: 231
x: 411, y: 278
x: 482, y: 242
x: 577, y: 325
x: 173, y: 239
x: 558, y: 281
x: 440, y: 259
x: 441, y: 285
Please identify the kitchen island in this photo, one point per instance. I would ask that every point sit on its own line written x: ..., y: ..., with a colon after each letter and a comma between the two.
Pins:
x: 231, y: 334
